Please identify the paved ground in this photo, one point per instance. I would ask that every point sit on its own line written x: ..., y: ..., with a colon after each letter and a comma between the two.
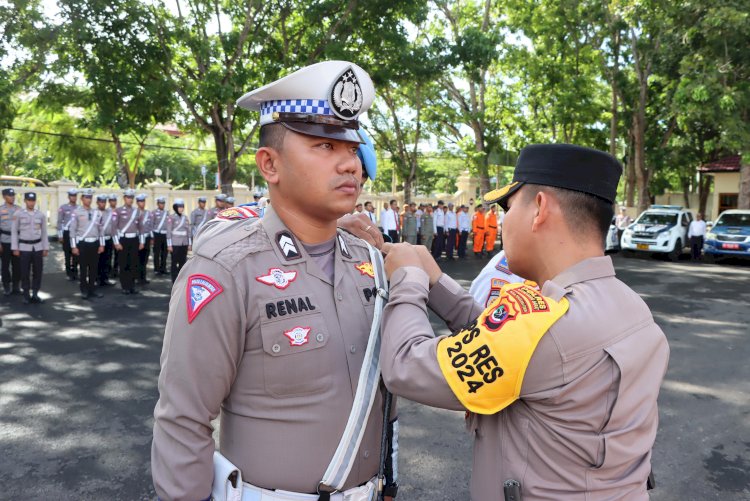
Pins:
x: 78, y: 386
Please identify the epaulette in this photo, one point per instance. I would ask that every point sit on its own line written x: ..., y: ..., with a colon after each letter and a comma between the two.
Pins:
x: 352, y: 240
x: 228, y: 242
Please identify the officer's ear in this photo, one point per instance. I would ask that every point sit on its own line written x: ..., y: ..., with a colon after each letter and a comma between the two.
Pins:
x: 541, y: 207
x: 267, y: 160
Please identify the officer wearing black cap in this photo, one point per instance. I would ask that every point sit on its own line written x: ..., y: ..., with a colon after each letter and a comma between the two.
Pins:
x: 29, y: 243
x: 11, y: 279
x: 560, y: 383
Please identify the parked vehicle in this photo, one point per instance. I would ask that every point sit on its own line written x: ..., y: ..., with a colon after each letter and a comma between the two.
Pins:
x: 612, y: 243
x: 729, y: 236
x: 21, y: 181
x: 659, y: 229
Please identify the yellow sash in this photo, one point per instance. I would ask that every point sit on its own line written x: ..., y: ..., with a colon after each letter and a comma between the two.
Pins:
x: 485, y: 362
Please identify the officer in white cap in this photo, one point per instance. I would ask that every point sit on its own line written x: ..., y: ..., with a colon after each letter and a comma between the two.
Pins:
x: 128, y: 242
x: 271, y: 320
x: 105, y: 258
x: 146, y: 218
x: 64, y: 216
x: 179, y: 237
x: 160, y: 236
x: 221, y: 203
x: 198, y: 216
x: 87, y: 242
x: 9, y: 261
x: 229, y: 202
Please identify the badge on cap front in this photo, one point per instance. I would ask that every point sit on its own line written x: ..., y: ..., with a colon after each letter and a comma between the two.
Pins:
x: 346, y: 95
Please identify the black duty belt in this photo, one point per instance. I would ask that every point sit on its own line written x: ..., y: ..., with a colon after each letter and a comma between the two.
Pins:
x: 29, y: 242
x: 3, y: 232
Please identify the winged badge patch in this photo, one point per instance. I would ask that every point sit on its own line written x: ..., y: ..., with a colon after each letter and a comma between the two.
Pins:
x: 278, y: 278
x: 365, y: 268
x: 298, y: 335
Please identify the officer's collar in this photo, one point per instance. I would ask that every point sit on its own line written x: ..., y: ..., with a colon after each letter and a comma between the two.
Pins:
x: 583, y: 271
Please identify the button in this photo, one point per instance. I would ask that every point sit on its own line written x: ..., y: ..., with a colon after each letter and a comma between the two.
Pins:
x: 339, y: 297
x: 366, y: 454
x: 276, y: 348
x: 320, y: 337
x: 353, y: 349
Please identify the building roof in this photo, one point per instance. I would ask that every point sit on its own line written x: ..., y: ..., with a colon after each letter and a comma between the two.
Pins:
x: 729, y: 163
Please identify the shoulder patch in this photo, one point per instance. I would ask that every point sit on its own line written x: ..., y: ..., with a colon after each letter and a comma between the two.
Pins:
x: 485, y: 362
x: 200, y: 290
x: 235, y: 213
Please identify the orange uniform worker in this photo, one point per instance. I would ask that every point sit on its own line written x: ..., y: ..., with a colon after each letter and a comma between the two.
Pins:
x: 479, y: 229
x: 490, y: 222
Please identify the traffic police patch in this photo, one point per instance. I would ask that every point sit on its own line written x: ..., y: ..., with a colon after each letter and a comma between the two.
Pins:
x: 201, y: 290
x: 286, y: 244
x: 365, y: 268
x: 346, y: 95
x: 235, y: 213
x: 298, y: 336
x: 485, y: 362
x: 278, y: 278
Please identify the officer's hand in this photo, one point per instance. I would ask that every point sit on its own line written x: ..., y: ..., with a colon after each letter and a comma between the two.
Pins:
x: 44, y: 253
x: 360, y: 226
x: 169, y: 249
x: 16, y: 253
x: 429, y: 265
x: 399, y: 256
x: 118, y: 247
x: 75, y: 251
x: 101, y: 249
x: 141, y: 246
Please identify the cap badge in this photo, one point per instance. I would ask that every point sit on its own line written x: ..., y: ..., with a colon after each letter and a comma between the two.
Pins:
x: 278, y: 278
x: 297, y: 336
x: 346, y: 95
x: 201, y: 290
x: 365, y: 268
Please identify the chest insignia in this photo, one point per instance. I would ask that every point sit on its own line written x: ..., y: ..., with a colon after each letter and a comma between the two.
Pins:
x: 297, y: 336
x: 201, y: 290
x: 344, y: 249
x: 365, y: 268
x: 278, y: 278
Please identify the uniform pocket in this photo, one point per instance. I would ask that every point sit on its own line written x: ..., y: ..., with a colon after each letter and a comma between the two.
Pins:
x: 296, y: 360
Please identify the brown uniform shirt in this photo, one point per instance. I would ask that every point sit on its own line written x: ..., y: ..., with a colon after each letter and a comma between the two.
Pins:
x: 29, y: 226
x: 277, y: 354
x: 586, y: 419
x: 178, y: 231
x: 85, y: 224
x: 127, y: 224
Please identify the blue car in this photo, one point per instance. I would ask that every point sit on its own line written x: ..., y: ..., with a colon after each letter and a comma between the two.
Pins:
x: 730, y: 236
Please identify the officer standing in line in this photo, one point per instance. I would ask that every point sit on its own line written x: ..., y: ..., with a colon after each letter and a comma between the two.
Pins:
x: 490, y: 221
x: 464, y: 227
x: 213, y: 211
x: 179, y: 240
x: 198, y: 216
x: 160, y: 236
x: 114, y: 263
x: 269, y: 321
x: 561, y: 384
x: 229, y: 202
x: 64, y: 216
x: 146, y: 218
x: 128, y: 242
x: 11, y: 279
x: 478, y: 229
x: 107, y: 216
x: 409, y: 224
x: 87, y: 242
x: 427, y: 228
x: 29, y: 243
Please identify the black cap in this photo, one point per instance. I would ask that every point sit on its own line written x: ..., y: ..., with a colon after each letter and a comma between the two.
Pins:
x: 567, y: 166
x: 9, y: 192
x: 29, y: 195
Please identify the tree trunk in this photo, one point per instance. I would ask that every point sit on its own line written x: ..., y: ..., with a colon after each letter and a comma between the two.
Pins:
x: 686, y: 192
x: 704, y: 188
x: 630, y: 174
x: 743, y: 201
x: 639, y: 157
x: 226, y: 160
x: 407, y: 190
x: 613, y: 122
x: 125, y: 177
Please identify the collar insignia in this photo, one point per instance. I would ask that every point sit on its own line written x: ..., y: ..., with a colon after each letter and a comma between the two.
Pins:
x: 278, y: 278
x: 201, y: 290
x: 298, y: 336
x: 346, y: 95
x: 365, y: 268
x: 286, y: 244
x: 344, y: 249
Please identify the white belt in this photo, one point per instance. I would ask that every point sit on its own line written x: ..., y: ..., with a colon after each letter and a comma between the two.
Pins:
x: 107, y: 238
x: 129, y: 235
x: 252, y: 493
x: 181, y: 233
x: 160, y: 232
x: 88, y: 240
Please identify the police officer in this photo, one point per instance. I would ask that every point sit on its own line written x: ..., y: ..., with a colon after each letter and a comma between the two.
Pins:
x: 29, y: 243
x: 409, y: 223
x: 87, y: 242
x: 229, y: 202
x: 198, y: 216
x: 269, y: 321
x: 160, y: 236
x: 11, y: 279
x: 179, y: 240
x: 427, y: 227
x: 561, y: 384
x: 108, y: 217
x: 220, y: 201
x: 64, y: 216
x: 128, y: 242
x: 146, y: 218
x: 114, y: 263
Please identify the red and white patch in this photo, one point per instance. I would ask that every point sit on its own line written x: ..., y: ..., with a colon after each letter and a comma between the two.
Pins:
x: 298, y: 336
x: 200, y: 290
x: 235, y: 213
x: 278, y: 278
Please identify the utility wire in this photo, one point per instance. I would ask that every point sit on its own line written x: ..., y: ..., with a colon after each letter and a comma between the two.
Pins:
x: 101, y: 140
